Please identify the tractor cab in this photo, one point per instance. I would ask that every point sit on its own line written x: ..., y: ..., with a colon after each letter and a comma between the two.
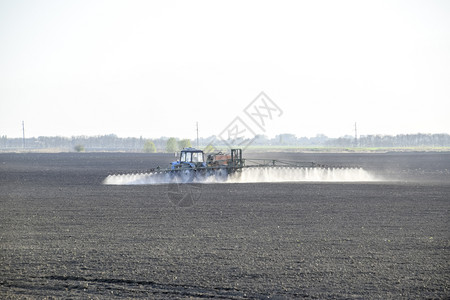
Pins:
x: 191, y: 155
x: 190, y: 158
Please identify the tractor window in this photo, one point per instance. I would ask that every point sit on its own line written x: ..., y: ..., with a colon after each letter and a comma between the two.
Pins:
x: 197, y: 157
x: 188, y: 156
x: 183, y: 156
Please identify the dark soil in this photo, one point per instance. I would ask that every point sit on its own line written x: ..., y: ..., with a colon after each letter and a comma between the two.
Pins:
x: 65, y: 235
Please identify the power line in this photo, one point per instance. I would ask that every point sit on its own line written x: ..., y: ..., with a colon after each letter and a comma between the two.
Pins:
x: 23, y: 134
x: 197, y: 134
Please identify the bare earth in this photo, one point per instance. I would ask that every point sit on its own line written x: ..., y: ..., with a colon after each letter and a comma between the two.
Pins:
x: 66, y: 235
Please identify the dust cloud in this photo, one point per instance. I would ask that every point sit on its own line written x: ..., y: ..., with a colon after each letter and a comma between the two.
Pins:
x: 255, y: 175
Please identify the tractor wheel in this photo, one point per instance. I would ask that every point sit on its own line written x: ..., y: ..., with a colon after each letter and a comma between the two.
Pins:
x: 187, y: 175
x: 174, y: 176
x: 201, y: 176
x: 221, y: 174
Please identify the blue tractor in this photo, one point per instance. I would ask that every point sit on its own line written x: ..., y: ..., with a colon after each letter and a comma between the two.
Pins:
x: 192, y: 165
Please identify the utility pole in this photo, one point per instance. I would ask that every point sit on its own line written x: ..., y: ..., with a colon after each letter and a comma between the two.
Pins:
x: 23, y: 134
x: 356, y: 136
x: 197, y: 134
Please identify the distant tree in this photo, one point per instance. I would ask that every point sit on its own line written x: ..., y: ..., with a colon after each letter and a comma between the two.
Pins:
x: 79, y: 148
x: 172, y: 145
x: 209, y: 149
x: 184, y: 143
x: 149, y: 147
x: 260, y: 139
x: 286, y: 139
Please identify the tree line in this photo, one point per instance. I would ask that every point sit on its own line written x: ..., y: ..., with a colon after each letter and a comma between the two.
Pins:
x: 400, y: 140
x: 112, y: 142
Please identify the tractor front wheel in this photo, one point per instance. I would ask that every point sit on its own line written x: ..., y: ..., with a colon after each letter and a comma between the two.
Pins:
x: 187, y: 175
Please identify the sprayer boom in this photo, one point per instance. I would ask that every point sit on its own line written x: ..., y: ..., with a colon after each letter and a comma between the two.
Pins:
x: 193, y: 166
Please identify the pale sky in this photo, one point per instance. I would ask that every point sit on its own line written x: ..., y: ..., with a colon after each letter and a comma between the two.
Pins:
x: 155, y: 68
